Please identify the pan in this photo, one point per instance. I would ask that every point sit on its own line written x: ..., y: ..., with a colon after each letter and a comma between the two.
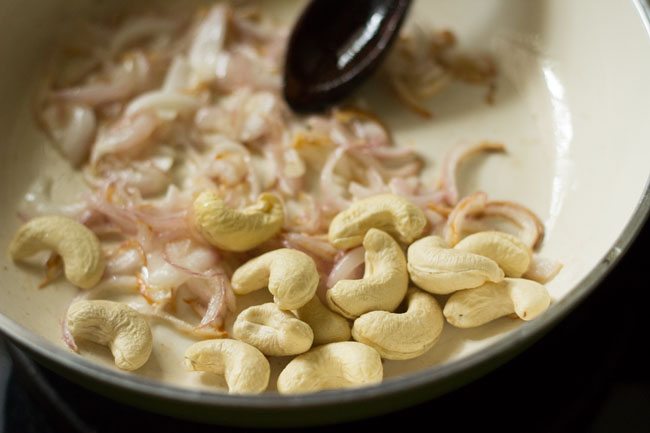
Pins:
x: 570, y: 106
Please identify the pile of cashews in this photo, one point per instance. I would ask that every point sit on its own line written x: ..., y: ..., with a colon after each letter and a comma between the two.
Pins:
x: 479, y: 277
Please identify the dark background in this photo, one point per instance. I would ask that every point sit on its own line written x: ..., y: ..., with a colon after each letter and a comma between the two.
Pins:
x: 589, y: 374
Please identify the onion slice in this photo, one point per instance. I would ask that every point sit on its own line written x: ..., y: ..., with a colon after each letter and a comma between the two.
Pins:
x: 348, y: 267
x: 471, y: 204
x: 543, y: 269
x: 453, y: 161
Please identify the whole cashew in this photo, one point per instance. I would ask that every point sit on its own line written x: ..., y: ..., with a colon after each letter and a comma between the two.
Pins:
x: 245, y: 368
x: 273, y: 331
x: 475, y: 307
x: 237, y: 230
x: 290, y: 275
x: 345, y: 364
x: 510, y: 253
x: 387, y: 212
x: 113, y: 324
x: 384, y: 282
x: 402, y: 335
x: 328, y: 326
x: 441, y: 270
x: 77, y: 245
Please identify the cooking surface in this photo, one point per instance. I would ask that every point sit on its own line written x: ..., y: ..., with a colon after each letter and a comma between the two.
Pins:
x: 588, y: 374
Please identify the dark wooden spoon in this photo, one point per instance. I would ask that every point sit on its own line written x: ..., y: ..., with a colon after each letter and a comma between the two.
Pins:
x: 335, y: 45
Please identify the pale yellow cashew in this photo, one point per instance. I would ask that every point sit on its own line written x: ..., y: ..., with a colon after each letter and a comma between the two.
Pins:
x: 510, y: 253
x: 237, y: 230
x: 346, y: 364
x: 245, y: 368
x: 402, y: 335
x: 328, y: 326
x: 273, y: 331
x: 113, y: 324
x: 384, y: 282
x: 77, y: 245
x: 387, y: 212
x: 290, y: 275
x: 441, y: 270
x: 475, y: 307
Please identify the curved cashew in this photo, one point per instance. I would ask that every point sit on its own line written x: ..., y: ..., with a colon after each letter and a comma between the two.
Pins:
x: 328, y: 326
x: 475, y: 307
x: 441, y: 270
x: 510, y: 253
x: 384, y: 282
x: 346, y: 364
x: 113, y: 324
x: 237, y: 230
x: 387, y: 212
x: 245, y: 368
x: 77, y: 245
x: 402, y: 336
x: 290, y: 275
x: 273, y: 331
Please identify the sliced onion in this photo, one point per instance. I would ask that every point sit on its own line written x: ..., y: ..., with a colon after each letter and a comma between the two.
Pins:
x: 178, y: 324
x: 302, y: 215
x: 209, y: 41
x: 127, y: 259
x: 220, y: 305
x: 332, y: 195
x: 436, y: 221
x: 67, y: 337
x: 73, y: 128
x: 474, y: 203
x: 319, y: 247
x: 532, y: 229
x: 348, y: 267
x: 405, y: 96
x: 543, y: 269
x: 128, y: 136
x: 453, y: 161
x: 178, y: 75
x: 96, y: 94
x: 195, y: 260
x: 121, y: 83
x: 167, y: 102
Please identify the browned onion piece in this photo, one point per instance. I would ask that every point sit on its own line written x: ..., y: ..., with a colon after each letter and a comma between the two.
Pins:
x: 475, y: 214
x: 221, y: 303
x: 454, y: 159
x: 472, y: 204
x: 532, y: 229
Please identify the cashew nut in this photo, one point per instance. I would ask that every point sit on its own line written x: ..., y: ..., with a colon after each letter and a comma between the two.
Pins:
x: 510, y: 253
x: 237, y: 230
x: 113, y: 324
x: 475, y: 307
x: 245, y: 368
x: 290, y: 275
x: 387, y: 212
x: 346, y: 364
x: 273, y: 331
x: 75, y: 243
x: 328, y: 326
x: 384, y: 282
x: 441, y: 270
x: 402, y: 335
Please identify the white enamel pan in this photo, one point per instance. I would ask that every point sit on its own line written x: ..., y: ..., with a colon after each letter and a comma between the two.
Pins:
x: 572, y: 107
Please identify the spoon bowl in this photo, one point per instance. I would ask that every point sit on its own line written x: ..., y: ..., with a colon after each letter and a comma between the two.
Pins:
x: 335, y: 45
